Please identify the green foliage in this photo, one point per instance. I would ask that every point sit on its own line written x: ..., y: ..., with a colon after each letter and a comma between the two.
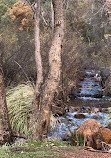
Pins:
x: 70, y: 17
x: 8, y: 2
x: 86, y: 31
x: 6, y: 19
x: 31, y: 1
x: 3, y: 9
x: 19, y: 100
x: 4, y: 151
x: 10, y: 42
x: 47, y: 5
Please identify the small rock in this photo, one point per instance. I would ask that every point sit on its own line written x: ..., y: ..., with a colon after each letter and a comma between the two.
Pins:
x: 90, y: 86
x: 99, y: 95
x: 98, y: 117
x: 79, y: 116
x: 109, y: 125
x: 109, y: 109
x: 96, y: 85
x: 94, y: 110
x: 79, y: 86
x: 105, y: 110
x: 69, y: 119
x: 73, y: 124
x: 81, y: 79
x: 92, y: 75
x: 66, y: 136
x: 89, y: 110
x: 92, y: 78
x: 58, y: 110
x: 75, y: 108
x: 71, y: 109
x: 74, y: 94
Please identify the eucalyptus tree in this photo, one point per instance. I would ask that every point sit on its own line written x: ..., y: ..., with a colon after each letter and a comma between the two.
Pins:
x: 46, y: 87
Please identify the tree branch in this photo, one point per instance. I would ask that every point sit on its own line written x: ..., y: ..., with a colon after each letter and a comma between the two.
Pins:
x: 34, y: 7
x: 44, y: 18
x: 31, y: 5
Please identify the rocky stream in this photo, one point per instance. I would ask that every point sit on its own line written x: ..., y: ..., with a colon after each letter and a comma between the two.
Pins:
x: 91, y: 103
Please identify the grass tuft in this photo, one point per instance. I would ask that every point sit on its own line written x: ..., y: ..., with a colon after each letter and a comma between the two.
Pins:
x: 32, y: 149
x: 77, y: 139
x: 19, y: 100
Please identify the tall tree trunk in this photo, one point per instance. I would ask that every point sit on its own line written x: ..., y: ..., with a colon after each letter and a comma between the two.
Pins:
x: 52, y: 16
x: 38, y: 57
x: 42, y: 109
x: 39, y: 81
x: 5, y: 128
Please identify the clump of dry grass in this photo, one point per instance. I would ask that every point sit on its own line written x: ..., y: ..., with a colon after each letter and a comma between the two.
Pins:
x: 19, y: 100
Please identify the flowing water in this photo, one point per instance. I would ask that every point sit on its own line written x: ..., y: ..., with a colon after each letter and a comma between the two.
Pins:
x: 90, y: 102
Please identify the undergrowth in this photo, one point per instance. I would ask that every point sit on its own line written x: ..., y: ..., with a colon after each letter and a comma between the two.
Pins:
x: 32, y: 149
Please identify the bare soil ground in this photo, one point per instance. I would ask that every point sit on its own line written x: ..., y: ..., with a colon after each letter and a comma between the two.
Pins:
x: 79, y: 153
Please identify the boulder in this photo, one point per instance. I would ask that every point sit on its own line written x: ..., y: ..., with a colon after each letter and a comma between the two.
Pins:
x: 79, y: 116
x: 94, y: 134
